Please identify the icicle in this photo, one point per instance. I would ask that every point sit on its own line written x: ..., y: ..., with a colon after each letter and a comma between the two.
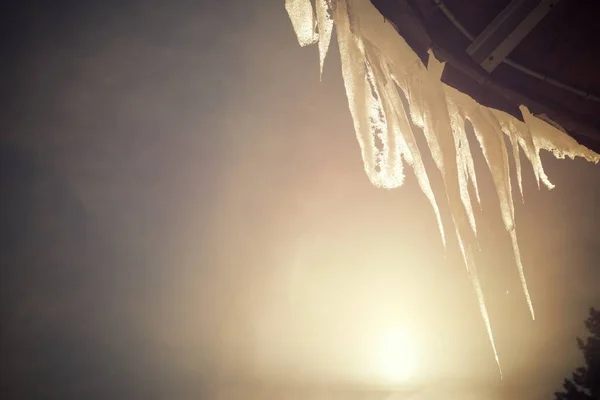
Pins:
x: 467, y: 158
x: 437, y: 123
x: 365, y: 106
x: 376, y: 64
x: 548, y: 137
x: 438, y: 129
x: 523, y: 134
x: 392, y: 142
x: 303, y: 20
x: 464, y: 160
x: 507, y: 126
x: 405, y: 134
x: 352, y: 63
x: 514, y: 142
x: 325, y: 22
x: 472, y: 271
x: 489, y: 134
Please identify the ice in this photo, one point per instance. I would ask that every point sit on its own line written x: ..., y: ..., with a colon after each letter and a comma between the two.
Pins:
x: 382, y: 161
x: 325, y: 24
x: 410, y: 150
x: 514, y: 142
x: 303, y: 20
x: 378, y: 67
x: 548, y: 137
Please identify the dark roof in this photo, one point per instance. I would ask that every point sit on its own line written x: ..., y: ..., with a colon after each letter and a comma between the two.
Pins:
x: 561, y: 49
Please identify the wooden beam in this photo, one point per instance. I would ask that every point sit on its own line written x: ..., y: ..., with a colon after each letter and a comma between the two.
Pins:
x: 507, y: 30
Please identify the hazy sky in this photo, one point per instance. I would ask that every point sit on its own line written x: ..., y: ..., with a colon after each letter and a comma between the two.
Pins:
x: 182, y: 199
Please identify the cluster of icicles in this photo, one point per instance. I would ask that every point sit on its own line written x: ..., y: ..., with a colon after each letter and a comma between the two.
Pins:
x: 377, y: 64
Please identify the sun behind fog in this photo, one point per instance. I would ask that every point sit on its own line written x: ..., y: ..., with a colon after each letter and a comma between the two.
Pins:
x: 395, y: 357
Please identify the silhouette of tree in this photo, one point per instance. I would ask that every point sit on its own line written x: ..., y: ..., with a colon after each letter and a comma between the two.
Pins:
x: 585, y: 383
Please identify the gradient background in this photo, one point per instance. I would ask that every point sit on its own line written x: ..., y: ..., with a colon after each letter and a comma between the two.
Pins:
x: 183, y: 201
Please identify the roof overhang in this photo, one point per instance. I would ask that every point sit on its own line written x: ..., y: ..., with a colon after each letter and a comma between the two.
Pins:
x: 516, y: 35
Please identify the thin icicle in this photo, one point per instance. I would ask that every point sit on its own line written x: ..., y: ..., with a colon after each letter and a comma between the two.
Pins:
x: 474, y: 278
x: 489, y: 133
x: 514, y: 142
x: 457, y: 122
x: 325, y: 23
x: 458, y: 119
x: 303, y: 20
x: 525, y: 139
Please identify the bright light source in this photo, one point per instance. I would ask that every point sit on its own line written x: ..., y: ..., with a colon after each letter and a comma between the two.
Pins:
x: 395, y: 357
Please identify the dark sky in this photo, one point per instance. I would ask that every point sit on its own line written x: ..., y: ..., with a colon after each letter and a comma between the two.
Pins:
x: 183, y: 201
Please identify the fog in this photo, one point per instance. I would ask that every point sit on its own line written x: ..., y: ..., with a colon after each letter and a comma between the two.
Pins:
x: 230, y: 232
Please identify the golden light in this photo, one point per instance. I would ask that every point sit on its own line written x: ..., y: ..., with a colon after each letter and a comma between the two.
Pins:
x: 395, y: 358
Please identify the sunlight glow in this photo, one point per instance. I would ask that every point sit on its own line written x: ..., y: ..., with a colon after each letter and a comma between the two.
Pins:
x: 395, y: 357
